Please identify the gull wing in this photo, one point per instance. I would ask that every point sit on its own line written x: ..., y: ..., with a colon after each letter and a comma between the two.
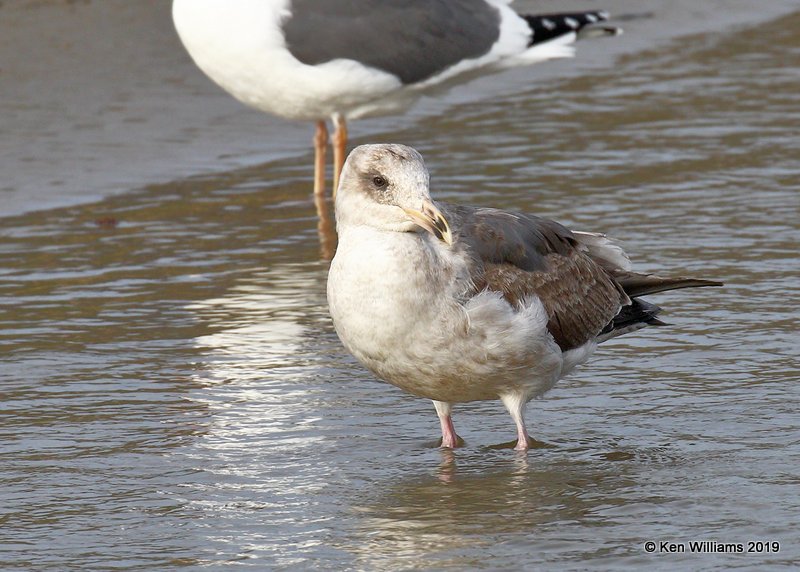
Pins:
x: 523, y: 256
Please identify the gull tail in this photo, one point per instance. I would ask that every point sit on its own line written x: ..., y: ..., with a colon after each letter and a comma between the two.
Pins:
x: 636, y: 285
x: 640, y: 313
x: 568, y: 25
x: 634, y: 316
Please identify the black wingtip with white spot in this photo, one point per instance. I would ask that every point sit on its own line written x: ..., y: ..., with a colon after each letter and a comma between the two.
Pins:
x: 546, y: 27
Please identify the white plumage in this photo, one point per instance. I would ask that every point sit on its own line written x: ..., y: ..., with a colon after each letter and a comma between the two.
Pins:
x: 345, y: 59
x: 461, y: 304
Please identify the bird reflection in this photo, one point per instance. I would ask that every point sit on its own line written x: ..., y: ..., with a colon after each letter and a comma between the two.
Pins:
x: 326, y: 227
x: 447, y: 468
x: 476, y: 497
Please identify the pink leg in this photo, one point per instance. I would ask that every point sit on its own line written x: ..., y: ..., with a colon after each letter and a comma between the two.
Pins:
x: 516, y: 406
x: 449, y: 437
x: 523, y: 439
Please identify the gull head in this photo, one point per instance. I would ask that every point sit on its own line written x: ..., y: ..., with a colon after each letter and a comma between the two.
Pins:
x: 386, y: 187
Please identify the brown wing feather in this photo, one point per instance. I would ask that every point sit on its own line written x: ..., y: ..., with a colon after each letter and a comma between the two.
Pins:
x: 578, y: 295
x: 522, y: 256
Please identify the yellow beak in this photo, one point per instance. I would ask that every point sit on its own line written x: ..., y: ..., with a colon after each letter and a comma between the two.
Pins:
x: 432, y: 220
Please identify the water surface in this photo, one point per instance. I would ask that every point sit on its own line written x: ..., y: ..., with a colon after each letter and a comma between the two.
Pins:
x: 174, y: 396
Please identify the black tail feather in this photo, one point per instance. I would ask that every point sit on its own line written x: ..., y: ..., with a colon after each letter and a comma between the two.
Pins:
x: 636, y: 284
x: 640, y: 313
x: 546, y: 27
x: 635, y: 316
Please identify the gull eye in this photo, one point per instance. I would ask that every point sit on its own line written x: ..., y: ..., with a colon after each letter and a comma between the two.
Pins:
x: 379, y: 181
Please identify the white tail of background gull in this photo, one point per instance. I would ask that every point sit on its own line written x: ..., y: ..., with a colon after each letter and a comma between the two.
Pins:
x: 458, y: 304
x: 344, y: 59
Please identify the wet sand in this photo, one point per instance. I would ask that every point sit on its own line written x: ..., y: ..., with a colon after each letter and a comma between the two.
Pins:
x: 99, y: 98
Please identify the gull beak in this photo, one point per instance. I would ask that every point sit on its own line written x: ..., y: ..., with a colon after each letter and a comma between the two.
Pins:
x: 431, y: 219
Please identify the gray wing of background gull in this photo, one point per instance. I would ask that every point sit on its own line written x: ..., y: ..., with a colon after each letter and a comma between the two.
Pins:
x: 410, y: 39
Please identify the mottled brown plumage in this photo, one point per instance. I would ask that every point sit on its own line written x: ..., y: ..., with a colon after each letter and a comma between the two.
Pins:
x: 581, y: 288
x: 579, y: 296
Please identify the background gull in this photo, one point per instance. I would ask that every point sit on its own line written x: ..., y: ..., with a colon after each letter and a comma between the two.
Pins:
x: 344, y: 59
x: 459, y: 304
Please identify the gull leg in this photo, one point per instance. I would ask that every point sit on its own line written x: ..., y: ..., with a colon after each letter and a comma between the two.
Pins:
x: 515, y: 403
x: 449, y: 437
x: 339, y: 148
x: 320, y: 149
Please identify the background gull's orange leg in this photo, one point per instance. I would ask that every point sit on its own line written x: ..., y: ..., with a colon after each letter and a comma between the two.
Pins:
x: 339, y: 149
x: 320, y: 150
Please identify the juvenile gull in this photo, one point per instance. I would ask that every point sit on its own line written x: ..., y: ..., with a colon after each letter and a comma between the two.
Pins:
x: 344, y: 59
x: 457, y: 303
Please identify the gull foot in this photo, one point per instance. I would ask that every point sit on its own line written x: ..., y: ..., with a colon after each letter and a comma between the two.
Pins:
x: 450, y: 445
x: 532, y: 444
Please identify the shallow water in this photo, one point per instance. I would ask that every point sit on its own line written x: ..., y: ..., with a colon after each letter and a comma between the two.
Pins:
x: 174, y: 395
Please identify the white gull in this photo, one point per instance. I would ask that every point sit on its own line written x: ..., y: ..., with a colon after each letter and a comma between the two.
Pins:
x: 458, y: 304
x: 344, y: 59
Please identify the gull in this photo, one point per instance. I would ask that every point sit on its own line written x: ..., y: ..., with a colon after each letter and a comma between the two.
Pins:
x: 344, y: 59
x: 458, y: 304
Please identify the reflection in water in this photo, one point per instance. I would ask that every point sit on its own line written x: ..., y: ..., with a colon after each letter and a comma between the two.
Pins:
x: 175, y: 396
x: 245, y: 374
x: 326, y: 227
x: 261, y: 402
x: 477, y: 499
x: 261, y: 322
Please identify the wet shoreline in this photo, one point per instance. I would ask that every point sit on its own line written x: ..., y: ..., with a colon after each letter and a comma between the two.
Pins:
x: 102, y: 99
x: 175, y: 396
